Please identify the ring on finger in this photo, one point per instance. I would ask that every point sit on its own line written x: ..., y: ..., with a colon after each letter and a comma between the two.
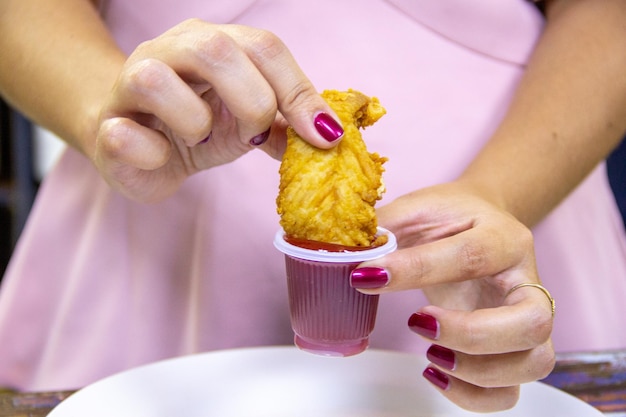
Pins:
x: 539, y: 287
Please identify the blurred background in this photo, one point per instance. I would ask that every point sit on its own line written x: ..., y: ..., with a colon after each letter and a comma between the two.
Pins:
x: 27, y: 153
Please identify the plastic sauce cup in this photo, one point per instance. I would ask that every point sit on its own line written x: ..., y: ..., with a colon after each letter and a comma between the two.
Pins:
x: 328, y: 316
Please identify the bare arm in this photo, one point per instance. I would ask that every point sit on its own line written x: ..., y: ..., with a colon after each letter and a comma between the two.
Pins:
x: 140, y: 118
x: 61, y: 62
x: 568, y: 114
x: 463, y: 243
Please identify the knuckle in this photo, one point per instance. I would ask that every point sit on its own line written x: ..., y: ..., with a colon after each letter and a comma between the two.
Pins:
x: 473, y: 260
x: 415, y: 266
x: 146, y: 76
x: 261, y: 109
x: 542, y: 325
x: 299, y: 95
x: 267, y: 46
x: 112, y: 139
x: 544, y: 360
x: 214, y: 48
x: 473, y: 339
x: 525, y: 237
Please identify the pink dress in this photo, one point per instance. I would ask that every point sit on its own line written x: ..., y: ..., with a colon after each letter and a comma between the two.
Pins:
x: 99, y: 284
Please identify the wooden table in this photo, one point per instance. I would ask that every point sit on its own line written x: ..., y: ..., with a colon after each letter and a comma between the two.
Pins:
x: 598, y: 378
x: 37, y: 404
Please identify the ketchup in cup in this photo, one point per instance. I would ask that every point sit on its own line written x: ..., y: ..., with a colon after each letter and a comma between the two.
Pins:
x: 328, y: 316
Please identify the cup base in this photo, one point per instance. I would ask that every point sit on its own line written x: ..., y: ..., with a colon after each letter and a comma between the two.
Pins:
x: 340, y: 349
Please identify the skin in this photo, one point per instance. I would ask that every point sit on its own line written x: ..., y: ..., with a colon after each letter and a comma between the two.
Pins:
x: 467, y: 242
x: 140, y: 120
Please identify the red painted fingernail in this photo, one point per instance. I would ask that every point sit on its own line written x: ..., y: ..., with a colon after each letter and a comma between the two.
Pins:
x: 441, y: 356
x: 260, y: 139
x: 437, y: 378
x: 328, y: 127
x: 425, y: 325
x: 368, y: 278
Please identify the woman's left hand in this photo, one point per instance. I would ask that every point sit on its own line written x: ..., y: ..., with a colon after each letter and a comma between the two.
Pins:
x: 467, y: 254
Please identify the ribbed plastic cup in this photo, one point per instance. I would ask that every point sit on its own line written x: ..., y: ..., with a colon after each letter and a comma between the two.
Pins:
x: 328, y: 316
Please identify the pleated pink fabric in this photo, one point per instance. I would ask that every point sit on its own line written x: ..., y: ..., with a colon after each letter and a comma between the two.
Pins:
x: 99, y: 284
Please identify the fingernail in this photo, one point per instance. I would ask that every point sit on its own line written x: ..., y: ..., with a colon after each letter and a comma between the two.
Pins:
x: 441, y: 356
x: 208, y: 138
x: 425, y: 325
x: 328, y: 127
x: 437, y: 378
x: 368, y: 277
x: 260, y: 139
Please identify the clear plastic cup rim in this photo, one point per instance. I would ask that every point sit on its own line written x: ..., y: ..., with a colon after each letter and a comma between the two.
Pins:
x: 336, y: 257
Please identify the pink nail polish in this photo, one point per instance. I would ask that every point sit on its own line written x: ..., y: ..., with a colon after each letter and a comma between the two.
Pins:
x: 368, y: 278
x: 260, y: 139
x: 425, y: 325
x: 441, y: 356
x: 437, y: 378
x: 328, y: 127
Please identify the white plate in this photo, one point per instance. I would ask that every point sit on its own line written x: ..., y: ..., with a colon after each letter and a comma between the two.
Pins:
x: 283, y: 381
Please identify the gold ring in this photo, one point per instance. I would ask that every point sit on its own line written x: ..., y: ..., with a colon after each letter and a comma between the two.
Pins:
x: 545, y: 291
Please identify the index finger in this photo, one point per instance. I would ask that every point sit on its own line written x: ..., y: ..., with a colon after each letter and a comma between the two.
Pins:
x: 477, y: 252
x: 298, y: 100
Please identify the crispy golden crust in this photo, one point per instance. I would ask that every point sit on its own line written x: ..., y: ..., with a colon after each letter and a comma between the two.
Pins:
x: 329, y: 195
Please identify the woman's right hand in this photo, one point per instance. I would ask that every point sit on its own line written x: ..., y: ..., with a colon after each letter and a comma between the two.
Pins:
x: 201, y: 95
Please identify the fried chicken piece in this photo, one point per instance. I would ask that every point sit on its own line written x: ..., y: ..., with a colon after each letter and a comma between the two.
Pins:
x: 329, y: 195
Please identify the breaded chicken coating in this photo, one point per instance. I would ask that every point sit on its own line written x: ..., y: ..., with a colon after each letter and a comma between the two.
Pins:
x: 329, y: 195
